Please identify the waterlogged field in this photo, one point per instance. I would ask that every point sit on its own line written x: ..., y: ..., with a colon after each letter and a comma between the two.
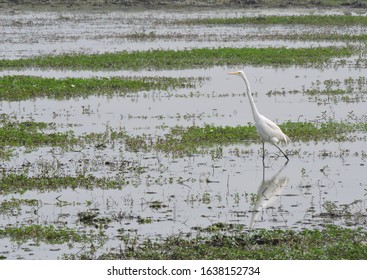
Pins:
x: 121, y: 129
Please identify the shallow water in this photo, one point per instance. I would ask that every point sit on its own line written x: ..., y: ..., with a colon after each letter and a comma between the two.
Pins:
x: 290, y: 196
x: 218, y: 101
x: 25, y: 34
x: 322, y: 182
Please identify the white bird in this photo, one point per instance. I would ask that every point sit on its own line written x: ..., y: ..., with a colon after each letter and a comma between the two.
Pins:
x: 268, y: 130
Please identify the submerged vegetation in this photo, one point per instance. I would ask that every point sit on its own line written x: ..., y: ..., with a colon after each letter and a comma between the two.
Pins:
x: 332, y: 91
x: 182, y: 59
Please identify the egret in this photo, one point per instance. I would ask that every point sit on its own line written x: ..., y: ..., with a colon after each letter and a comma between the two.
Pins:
x: 268, y: 130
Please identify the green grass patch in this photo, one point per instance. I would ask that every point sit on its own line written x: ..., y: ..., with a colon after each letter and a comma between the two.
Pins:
x: 38, y: 233
x: 179, y: 140
x: 192, y: 139
x: 26, y: 87
x: 182, y: 141
x: 333, y: 131
x: 330, y: 243
x: 314, y: 20
x: 16, y: 204
x: 20, y: 183
x: 183, y: 59
x: 31, y: 134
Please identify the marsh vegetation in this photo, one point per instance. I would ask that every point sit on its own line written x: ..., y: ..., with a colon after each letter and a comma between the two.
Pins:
x: 111, y: 149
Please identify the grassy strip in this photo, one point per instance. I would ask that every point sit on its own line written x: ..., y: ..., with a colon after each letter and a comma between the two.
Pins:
x: 178, y: 139
x: 195, y: 58
x: 191, y: 139
x: 334, y: 243
x: 315, y: 20
x: 20, y: 183
x: 30, y: 134
x: 25, y: 87
x: 48, y: 234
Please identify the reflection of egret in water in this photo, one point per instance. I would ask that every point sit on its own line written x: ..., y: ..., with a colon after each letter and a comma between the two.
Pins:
x: 268, y: 191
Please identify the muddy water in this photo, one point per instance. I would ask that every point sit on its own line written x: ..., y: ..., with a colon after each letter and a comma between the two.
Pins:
x: 322, y: 183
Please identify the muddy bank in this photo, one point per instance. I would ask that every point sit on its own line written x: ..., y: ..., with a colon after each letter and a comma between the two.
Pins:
x: 123, y: 4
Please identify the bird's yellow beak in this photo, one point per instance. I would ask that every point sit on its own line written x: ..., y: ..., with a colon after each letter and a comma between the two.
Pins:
x: 233, y: 73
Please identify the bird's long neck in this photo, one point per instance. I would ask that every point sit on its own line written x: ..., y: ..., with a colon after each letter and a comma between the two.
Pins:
x: 251, y: 99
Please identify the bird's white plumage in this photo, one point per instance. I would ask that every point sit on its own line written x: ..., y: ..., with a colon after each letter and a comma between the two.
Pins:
x: 268, y: 130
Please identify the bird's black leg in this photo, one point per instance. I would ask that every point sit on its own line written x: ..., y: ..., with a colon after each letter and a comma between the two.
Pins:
x: 263, y: 154
x: 282, y: 153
